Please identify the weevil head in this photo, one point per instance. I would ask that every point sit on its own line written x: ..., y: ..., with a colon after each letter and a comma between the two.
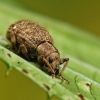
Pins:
x: 54, y: 61
x: 49, y: 56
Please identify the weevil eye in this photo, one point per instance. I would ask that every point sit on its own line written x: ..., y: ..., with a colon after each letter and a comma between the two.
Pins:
x: 50, y: 60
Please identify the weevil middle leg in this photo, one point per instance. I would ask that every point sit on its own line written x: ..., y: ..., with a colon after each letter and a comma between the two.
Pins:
x: 22, y: 49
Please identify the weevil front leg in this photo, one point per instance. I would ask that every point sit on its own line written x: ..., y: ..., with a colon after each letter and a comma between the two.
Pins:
x: 22, y: 49
x: 66, y: 63
x: 51, y: 69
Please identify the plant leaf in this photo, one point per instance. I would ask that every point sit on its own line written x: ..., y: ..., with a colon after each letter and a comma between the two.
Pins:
x: 81, y: 47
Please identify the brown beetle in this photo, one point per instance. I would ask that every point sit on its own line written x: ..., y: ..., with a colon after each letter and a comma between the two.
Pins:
x: 35, y: 42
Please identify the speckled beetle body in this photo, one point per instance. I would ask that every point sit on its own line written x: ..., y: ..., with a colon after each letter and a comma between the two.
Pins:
x: 35, y: 42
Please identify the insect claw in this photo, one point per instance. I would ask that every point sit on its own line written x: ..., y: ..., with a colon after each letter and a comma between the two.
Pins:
x: 53, y: 75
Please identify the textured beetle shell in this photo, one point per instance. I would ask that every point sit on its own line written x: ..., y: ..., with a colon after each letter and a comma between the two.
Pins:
x: 29, y: 32
x: 34, y: 42
x: 31, y: 35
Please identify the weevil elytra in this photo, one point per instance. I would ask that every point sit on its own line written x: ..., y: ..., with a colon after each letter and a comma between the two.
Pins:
x: 35, y: 42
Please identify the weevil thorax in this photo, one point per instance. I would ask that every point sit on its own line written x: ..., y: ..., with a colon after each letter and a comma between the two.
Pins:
x: 51, y: 54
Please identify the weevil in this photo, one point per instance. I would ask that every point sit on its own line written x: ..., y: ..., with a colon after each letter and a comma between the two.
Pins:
x: 34, y: 42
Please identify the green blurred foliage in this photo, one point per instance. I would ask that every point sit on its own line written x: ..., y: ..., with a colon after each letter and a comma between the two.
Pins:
x: 84, y: 14
x: 84, y: 53
x: 81, y: 13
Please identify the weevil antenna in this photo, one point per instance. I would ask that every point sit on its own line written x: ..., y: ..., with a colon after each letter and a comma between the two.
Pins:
x: 47, y: 63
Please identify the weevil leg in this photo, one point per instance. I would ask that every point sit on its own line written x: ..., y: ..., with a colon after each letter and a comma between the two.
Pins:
x: 66, y: 63
x: 48, y: 65
x: 22, y: 49
x: 13, y: 40
x: 53, y: 75
x: 64, y: 79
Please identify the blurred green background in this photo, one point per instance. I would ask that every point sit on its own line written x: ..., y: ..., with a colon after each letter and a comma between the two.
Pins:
x: 84, y: 14
x: 81, y: 14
